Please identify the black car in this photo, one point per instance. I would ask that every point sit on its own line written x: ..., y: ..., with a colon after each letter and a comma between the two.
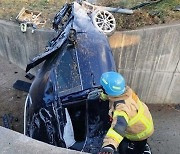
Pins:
x: 62, y: 107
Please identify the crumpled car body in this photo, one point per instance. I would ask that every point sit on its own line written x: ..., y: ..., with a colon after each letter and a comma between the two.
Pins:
x: 57, y: 108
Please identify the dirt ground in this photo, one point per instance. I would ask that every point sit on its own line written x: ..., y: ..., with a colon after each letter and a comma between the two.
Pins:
x: 166, y: 137
x: 11, y: 100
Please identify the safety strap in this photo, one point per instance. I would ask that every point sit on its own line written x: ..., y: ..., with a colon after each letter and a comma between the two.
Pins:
x: 114, y: 135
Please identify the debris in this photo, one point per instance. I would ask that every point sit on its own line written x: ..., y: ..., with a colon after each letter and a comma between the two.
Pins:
x: 30, y: 18
x: 16, y: 119
x: 23, y: 27
x: 22, y: 85
x: 29, y: 76
x: 18, y: 97
x: 7, y: 121
x: 177, y: 8
x: 177, y: 107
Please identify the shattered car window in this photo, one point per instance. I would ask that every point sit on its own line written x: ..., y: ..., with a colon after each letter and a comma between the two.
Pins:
x: 67, y: 71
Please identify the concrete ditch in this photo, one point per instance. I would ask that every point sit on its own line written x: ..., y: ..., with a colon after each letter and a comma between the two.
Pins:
x: 166, y: 118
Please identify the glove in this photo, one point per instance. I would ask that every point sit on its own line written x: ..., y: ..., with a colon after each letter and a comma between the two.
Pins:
x: 103, y: 96
x: 109, y: 149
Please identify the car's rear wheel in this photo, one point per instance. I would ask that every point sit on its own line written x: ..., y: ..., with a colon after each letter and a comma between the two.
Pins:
x: 104, y: 21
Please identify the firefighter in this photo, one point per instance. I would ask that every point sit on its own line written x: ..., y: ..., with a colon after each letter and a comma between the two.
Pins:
x: 131, y: 123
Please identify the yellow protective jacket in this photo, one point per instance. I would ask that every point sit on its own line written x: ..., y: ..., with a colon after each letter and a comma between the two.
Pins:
x: 131, y: 119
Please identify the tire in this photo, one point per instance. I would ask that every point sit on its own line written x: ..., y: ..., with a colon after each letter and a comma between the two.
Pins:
x: 104, y: 21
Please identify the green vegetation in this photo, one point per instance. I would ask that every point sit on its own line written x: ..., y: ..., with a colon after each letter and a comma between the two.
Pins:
x: 165, y: 9
x: 162, y: 12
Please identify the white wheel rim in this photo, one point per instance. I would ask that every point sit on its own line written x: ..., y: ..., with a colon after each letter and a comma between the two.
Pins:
x: 104, y: 21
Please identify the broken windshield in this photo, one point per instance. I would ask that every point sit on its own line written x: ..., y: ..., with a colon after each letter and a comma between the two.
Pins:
x: 67, y: 70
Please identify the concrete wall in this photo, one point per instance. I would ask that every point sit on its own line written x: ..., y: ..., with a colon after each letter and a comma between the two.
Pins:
x: 13, y: 142
x: 148, y: 58
x: 20, y: 48
x: 150, y: 61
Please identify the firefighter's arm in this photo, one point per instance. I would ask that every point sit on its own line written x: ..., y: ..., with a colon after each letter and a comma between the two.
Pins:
x: 117, y: 130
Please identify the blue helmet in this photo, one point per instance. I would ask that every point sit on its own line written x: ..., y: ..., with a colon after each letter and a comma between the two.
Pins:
x: 113, y: 83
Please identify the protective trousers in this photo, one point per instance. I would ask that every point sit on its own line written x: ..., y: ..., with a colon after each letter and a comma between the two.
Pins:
x: 131, y: 147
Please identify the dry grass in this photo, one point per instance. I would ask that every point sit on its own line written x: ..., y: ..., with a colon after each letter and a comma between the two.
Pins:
x: 159, y: 13
x: 10, y: 8
x: 163, y: 11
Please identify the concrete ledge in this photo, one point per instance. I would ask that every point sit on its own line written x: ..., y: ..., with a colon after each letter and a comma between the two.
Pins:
x: 13, y: 142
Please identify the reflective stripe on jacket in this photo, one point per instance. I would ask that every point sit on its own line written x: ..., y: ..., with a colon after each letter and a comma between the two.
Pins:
x: 131, y: 119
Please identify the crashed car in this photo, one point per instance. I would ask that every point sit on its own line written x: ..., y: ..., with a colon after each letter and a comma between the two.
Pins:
x: 62, y: 107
